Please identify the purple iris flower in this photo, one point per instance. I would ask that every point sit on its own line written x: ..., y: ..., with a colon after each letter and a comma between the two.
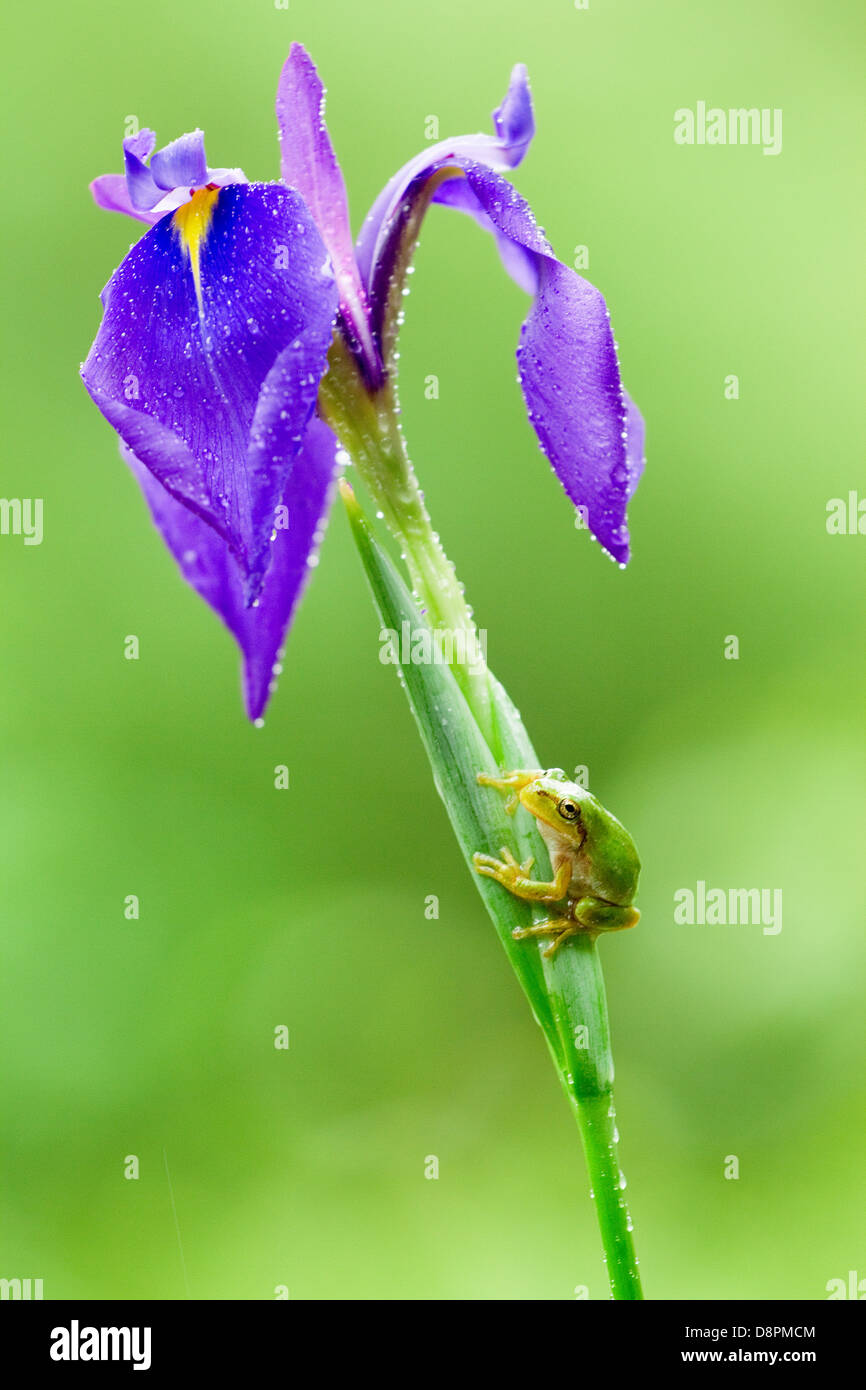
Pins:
x: 217, y: 327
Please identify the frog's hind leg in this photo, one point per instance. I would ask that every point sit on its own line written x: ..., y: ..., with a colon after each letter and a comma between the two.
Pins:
x: 560, y: 927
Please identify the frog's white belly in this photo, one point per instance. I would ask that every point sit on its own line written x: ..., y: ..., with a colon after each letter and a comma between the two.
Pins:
x: 559, y: 849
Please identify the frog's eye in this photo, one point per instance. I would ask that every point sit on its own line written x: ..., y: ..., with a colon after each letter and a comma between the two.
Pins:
x: 567, y: 809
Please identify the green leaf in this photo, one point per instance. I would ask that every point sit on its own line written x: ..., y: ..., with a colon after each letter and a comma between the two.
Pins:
x: 458, y: 752
x: 565, y: 991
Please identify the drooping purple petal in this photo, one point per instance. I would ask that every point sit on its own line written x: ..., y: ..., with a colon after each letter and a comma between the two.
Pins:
x: 213, y: 393
x: 518, y: 261
x: 514, y: 125
x: 570, y: 378
x: 111, y: 192
x: 568, y: 368
x: 208, y: 566
x: 587, y: 426
x: 589, y: 430
x: 181, y: 163
x: 309, y: 164
x: 634, y: 444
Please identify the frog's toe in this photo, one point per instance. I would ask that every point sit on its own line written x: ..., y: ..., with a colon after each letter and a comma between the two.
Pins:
x: 566, y: 935
x: 486, y: 864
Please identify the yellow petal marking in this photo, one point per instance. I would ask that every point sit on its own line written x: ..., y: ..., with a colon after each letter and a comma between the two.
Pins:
x: 192, y: 223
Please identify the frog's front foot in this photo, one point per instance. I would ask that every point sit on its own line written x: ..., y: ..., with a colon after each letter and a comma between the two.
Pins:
x: 515, y: 877
x: 511, y: 784
x: 506, y: 870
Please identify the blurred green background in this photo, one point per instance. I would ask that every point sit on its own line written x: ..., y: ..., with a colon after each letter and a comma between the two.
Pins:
x: 305, y: 908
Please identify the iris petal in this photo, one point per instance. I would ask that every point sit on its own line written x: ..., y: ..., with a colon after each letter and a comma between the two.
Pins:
x: 587, y: 426
x: 308, y: 163
x: 589, y: 429
x: 181, y: 163
x: 141, y: 145
x: 634, y: 446
x: 513, y: 119
x: 515, y: 127
x: 144, y: 191
x: 518, y: 261
x: 211, y: 570
x: 214, y: 396
x: 111, y: 192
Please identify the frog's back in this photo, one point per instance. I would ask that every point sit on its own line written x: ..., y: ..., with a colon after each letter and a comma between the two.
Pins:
x: 613, y: 848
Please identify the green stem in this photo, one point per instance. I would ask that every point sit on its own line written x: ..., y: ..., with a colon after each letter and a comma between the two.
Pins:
x: 587, y: 1079
x: 596, y: 1121
x: 368, y: 427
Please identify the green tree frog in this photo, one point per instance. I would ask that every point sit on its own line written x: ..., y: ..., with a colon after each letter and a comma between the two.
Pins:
x: 595, y: 863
